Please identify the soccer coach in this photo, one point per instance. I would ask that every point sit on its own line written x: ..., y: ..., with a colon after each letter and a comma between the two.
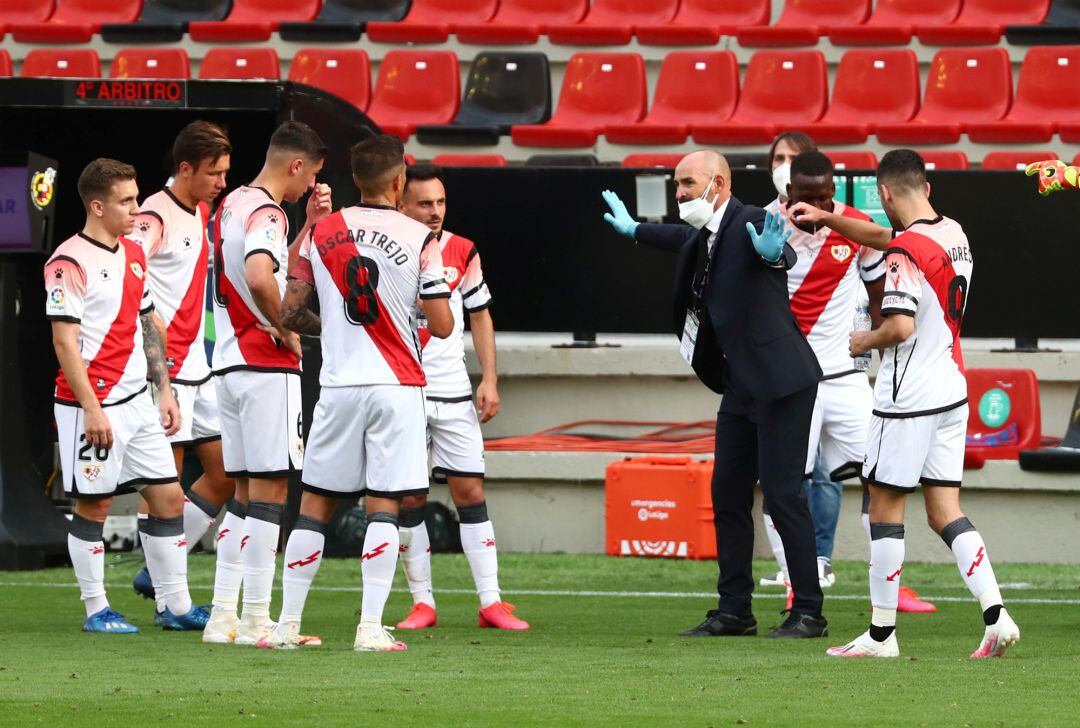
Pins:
x: 737, y: 331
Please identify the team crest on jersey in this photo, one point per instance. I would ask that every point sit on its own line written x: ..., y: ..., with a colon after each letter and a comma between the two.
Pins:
x: 92, y: 472
x: 450, y: 273
x: 841, y: 252
x: 137, y: 269
x: 299, y: 447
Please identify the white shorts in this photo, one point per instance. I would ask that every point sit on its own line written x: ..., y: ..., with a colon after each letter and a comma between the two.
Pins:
x: 198, y: 413
x: 140, y: 454
x: 455, y: 444
x: 261, y: 423
x: 928, y: 449
x: 841, y: 417
x: 367, y: 440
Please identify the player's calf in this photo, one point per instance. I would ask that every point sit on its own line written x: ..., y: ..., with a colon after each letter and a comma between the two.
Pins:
x: 415, y: 552
x: 377, y: 567
x: 303, y: 556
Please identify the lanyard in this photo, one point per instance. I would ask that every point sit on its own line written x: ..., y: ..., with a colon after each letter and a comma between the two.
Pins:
x: 701, y: 268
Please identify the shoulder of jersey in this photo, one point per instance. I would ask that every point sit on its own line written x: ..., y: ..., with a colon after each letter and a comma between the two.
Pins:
x: 854, y: 212
x: 155, y: 203
x: 67, y: 249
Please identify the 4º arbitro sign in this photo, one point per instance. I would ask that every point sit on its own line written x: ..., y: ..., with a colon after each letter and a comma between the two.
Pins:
x: 121, y: 93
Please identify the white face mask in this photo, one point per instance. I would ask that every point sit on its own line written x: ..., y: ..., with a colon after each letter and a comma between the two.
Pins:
x: 781, y: 177
x: 698, y: 211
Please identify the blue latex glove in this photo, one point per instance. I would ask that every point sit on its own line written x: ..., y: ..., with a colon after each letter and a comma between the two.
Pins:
x: 619, y: 218
x: 770, y: 244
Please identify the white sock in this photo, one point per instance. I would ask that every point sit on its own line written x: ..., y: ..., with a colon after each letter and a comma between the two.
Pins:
x: 416, y: 560
x: 886, y: 564
x: 166, y: 557
x: 478, y: 542
x: 975, y: 568
x: 159, y: 598
x: 777, y: 545
x: 303, y: 556
x: 262, y: 529
x: 229, y: 572
x: 377, y: 567
x: 87, y: 551
x: 199, y: 516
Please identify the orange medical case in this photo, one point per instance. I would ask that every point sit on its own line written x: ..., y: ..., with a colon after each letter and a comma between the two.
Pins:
x: 660, y: 506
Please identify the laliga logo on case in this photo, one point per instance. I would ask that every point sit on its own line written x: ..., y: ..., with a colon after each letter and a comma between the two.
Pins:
x: 42, y: 188
x: 841, y: 252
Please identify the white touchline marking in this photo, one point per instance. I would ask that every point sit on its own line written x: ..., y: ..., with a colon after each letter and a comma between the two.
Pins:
x: 571, y: 593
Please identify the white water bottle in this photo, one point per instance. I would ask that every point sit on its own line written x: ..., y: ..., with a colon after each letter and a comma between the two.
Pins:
x: 863, y: 323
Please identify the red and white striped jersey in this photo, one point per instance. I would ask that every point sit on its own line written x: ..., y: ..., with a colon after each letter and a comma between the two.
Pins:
x: 928, y: 276
x: 369, y: 264
x: 444, y: 359
x: 249, y: 222
x: 104, y: 290
x: 824, y: 287
x: 173, y: 236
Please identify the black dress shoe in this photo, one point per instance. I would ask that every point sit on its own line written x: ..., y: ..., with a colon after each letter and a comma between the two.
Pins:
x: 722, y: 624
x: 801, y: 626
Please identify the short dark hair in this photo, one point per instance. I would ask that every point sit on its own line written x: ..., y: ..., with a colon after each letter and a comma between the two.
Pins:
x: 296, y: 136
x: 422, y: 173
x: 376, y: 160
x: 903, y: 169
x: 98, y: 177
x: 812, y: 164
x: 200, y: 140
x: 798, y: 139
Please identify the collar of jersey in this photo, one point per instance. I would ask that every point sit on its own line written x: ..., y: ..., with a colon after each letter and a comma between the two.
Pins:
x: 179, y: 204
x: 374, y: 207
x: 935, y: 221
x: 101, y: 245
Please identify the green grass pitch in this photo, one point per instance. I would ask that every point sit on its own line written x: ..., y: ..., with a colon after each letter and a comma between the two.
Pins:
x: 603, y: 650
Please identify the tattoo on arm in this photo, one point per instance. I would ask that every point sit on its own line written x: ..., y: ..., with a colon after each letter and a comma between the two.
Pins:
x: 295, y: 314
x: 155, y: 352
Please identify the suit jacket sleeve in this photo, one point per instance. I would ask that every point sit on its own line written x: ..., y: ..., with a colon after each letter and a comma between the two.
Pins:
x: 665, y: 237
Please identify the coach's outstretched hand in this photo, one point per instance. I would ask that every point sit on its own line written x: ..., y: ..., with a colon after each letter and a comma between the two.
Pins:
x: 619, y: 218
x: 770, y: 244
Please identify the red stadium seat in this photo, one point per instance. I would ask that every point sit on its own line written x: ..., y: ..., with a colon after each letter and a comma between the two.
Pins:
x: 981, y: 22
x: 49, y: 63
x: 852, y: 160
x: 702, y: 22
x: 938, y: 159
x: 76, y: 21
x: 646, y: 161
x: 802, y: 22
x: 598, y: 90
x: 965, y: 86
x: 469, y: 160
x: 1070, y: 132
x: 893, y: 22
x: 871, y: 86
x: 999, y: 400
x: 240, y: 64
x: 693, y: 88
x: 253, y: 20
x: 413, y: 88
x: 522, y: 21
x: 1076, y: 160
x: 432, y: 21
x: 15, y: 12
x: 1009, y: 161
x: 612, y: 22
x: 344, y: 73
x: 781, y: 89
x: 5, y: 63
x: 165, y: 63
x: 1047, y: 94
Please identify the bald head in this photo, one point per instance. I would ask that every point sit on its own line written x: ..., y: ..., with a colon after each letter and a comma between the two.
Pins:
x: 706, y: 169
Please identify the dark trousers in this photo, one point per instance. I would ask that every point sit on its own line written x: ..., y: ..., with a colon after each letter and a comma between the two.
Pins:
x: 763, y: 442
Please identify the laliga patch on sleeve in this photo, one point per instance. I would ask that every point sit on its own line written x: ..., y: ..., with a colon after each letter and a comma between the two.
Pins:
x: 55, y: 303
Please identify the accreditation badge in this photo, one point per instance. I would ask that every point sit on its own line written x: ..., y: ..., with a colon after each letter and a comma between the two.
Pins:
x: 689, y: 337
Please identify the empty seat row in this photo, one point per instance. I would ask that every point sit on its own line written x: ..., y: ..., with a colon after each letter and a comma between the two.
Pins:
x: 573, y: 22
x: 697, y: 93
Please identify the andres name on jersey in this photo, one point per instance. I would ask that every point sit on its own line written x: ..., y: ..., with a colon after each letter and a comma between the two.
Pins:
x: 394, y: 252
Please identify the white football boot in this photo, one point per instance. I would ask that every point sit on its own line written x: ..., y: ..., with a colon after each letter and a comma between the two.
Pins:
x: 998, y: 637
x: 866, y: 646
x: 376, y: 638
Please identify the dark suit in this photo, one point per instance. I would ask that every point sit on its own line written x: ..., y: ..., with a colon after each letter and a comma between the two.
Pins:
x: 749, y: 349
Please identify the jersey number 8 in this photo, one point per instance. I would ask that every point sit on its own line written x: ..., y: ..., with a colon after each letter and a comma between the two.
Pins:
x: 361, y: 305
